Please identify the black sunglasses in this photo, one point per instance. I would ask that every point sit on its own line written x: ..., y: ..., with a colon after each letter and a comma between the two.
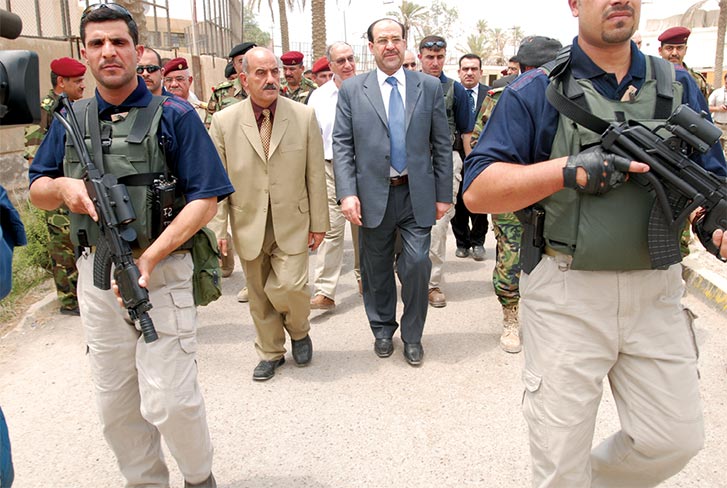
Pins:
x: 437, y: 44
x: 150, y: 68
x: 111, y: 6
x: 409, y: 65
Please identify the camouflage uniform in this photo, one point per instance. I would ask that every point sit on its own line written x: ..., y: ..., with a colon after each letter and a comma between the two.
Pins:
x: 302, y: 93
x: 224, y: 95
x: 60, y: 247
x: 507, y: 227
x: 704, y: 87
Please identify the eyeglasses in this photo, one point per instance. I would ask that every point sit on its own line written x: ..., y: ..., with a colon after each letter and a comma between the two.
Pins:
x: 410, y: 65
x: 178, y: 79
x: 111, y: 6
x: 437, y: 44
x: 341, y: 61
x: 150, y: 68
x: 384, y: 41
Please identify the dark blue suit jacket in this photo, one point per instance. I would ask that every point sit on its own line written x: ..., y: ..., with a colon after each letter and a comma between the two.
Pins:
x: 361, y: 146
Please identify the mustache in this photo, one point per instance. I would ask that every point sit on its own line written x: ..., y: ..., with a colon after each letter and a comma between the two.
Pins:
x: 619, y: 8
x: 270, y: 86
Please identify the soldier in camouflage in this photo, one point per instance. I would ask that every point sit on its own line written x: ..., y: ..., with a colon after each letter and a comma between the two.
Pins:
x: 674, y: 48
x: 223, y: 95
x: 533, y: 52
x: 296, y: 86
x: 66, y: 77
x: 228, y: 92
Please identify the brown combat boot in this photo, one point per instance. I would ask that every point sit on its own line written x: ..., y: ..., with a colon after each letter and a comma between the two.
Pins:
x: 510, y: 338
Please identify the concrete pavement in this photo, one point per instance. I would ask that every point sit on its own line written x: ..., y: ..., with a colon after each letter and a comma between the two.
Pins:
x: 349, y: 419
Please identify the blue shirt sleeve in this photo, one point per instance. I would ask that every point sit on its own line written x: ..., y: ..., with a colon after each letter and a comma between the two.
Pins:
x: 714, y: 160
x: 48, y: 160
x: 191, y: 154
x: 521, y: 128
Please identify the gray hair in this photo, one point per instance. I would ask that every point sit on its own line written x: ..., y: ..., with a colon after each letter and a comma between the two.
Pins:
x: 334, y: 45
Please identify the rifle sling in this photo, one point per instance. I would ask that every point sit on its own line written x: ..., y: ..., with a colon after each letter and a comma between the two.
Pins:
x: 94, y: 133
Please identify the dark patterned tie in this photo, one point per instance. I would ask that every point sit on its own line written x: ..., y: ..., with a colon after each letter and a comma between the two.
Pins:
x: 471, y: 93
x: 266, y: 130
x: 397, y: 127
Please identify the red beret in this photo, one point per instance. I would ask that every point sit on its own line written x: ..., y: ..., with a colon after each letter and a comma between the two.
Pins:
x: 321, y: 65
x: 67, y: 67
x: 675, y: 35
x: 176, y: 64
x: 292, y: 58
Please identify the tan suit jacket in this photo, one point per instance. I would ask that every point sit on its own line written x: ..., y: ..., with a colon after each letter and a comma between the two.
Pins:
x: 292, y: 180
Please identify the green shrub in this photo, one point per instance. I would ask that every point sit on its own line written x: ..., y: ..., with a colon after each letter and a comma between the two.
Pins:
x: 31, y: 263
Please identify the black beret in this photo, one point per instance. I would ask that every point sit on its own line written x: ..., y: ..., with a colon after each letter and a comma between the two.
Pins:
x: 241, y: 49
x: 229, y: 70
x: 537, y: 50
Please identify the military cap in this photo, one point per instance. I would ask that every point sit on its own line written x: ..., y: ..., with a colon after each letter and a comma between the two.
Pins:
x: 537, y: 50
x: 292, y: 58
x: 176, y: 64
x: 674, y: 35
x: 67, y: 67
x: 321, y: 65
x: 241, y: 49
x: 229, y: 70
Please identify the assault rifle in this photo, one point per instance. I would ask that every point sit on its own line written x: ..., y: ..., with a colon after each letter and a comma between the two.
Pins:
x: 679, y: 184
x: 115, y: 213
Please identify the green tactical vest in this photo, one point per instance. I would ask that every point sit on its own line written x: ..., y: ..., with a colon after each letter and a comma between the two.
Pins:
x: 607, y: 232
x: 134, y: 150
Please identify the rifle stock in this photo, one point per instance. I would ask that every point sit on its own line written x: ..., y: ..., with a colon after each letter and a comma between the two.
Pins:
x: 115, y: 212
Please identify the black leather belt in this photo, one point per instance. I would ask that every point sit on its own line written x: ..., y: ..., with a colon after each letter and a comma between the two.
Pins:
x: 399, y: 180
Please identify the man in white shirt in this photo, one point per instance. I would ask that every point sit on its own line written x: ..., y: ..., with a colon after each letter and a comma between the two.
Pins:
x: 342, y: 63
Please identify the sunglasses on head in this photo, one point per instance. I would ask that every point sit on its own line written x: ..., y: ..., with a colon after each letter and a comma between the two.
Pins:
x: 437, y: 44
x: 111, y: 6
x: 150, y: 68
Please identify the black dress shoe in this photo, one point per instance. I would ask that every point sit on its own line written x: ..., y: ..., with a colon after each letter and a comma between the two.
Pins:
x: 302, y: 351
x: 414, y: 353
x: 266, y: 369
x: 383, y: 348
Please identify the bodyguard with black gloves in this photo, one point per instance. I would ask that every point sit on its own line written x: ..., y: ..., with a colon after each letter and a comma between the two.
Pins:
x: 593, y: 306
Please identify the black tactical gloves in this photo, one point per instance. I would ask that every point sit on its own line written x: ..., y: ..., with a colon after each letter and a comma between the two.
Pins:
x: 604, y: 171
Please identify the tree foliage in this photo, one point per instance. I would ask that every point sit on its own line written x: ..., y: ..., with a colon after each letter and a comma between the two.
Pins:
x: 251, y: 31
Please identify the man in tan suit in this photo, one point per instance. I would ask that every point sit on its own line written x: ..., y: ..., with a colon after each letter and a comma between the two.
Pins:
x: 272, y: 150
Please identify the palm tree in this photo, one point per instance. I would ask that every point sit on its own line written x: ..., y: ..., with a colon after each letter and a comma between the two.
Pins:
x: 411, y: 15
x: 498, y: 40
x: 318, y: 28
x: 476, y: 44
x: 516, y: 37
x: 283, y: 6
x: 136, y: 9
x: 719, y: 56
x: 482, y: 27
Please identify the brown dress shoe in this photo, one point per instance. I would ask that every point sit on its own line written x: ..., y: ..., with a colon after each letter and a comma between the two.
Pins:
x: 322, y: 302
x: 437, y: 298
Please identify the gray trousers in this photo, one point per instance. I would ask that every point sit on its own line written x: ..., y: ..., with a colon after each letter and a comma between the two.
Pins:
x: 413, y: 268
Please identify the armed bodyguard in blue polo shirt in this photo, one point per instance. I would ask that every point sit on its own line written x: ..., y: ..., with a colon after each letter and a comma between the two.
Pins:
x: 144, y: 390
x: 593, y: 304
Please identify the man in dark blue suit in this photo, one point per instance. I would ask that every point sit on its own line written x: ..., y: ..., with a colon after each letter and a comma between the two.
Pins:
x: 392, y: 158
